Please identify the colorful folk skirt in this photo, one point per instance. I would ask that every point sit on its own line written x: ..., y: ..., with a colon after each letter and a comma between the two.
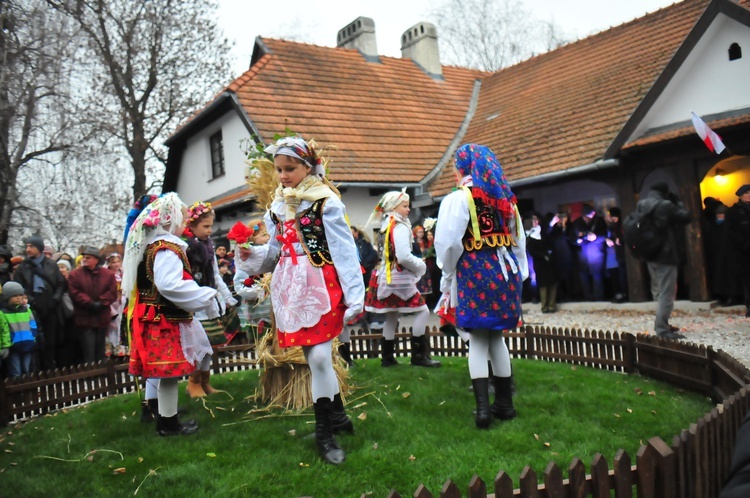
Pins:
x: 486, y: 299
x: 392, y: 302
x: 156, y: 349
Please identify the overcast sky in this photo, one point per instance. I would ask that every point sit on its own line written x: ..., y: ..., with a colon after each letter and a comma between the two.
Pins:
x: 318, y: 21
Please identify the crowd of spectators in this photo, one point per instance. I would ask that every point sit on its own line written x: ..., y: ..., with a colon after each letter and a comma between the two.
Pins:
x: 76, y: 306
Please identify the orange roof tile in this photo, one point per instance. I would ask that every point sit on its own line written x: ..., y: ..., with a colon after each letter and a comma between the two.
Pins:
x: 390, y: 121
x: 563, y: 109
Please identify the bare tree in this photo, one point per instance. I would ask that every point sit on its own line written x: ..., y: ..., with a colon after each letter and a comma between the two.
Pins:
x: 34, y: 123
x: 491, y: 34
x: 158, y: 61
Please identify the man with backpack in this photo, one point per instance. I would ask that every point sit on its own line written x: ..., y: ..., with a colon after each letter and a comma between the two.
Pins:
x: 669, y: 216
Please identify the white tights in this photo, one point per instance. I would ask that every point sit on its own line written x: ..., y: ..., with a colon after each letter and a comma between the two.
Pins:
x: 168, y: 397
x: 322, y: 375
x: 488, y: 345
x: 418, y: 327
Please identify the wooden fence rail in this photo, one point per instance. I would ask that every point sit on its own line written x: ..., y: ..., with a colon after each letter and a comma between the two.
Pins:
x: 693, y: 466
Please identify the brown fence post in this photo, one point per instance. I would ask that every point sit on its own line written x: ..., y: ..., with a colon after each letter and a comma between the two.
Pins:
x: 529, y: 338
x: 5, y: 417
x: 665, y: 461
x: 628, y: 352
x: 503, y: 485
x: 477, y: 487
x: 111, y: 378
x: 623, y: 475
x: 599, y: 477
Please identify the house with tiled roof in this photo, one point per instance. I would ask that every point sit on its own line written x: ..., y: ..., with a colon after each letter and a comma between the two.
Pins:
x: 595, y: 121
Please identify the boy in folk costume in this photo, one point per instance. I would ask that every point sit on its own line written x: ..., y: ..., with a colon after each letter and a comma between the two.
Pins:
x: 205, y: 270
x: 393, y: 284
x: 316, y: 285
x: 167, y: 341
x: 480, y: 246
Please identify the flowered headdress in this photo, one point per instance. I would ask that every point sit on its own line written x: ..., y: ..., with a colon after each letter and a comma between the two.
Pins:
x: 243, y: 235
x: 162, y: 216
x: 488, y: 179
x: 197, y: 210
x: 312, y: 187
x: 388, y: 203
x: 487, y: 175
x: 138, y: 206
x: 297, y: 147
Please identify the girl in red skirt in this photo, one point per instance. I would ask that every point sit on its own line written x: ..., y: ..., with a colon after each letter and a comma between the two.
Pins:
x: 316, y: 285
x: 168, y: 342
x: 393, y: 284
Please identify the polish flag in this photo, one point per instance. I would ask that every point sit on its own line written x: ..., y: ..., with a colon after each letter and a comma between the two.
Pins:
x: 709, y: 137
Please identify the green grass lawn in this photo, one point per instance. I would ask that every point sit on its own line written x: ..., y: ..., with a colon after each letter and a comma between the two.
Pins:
x: 412, y: 426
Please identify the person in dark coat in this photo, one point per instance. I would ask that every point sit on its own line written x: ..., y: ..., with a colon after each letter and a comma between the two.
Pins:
x: 562, y: 255
x: 738, y: 230
x: 588, y: 235
x: 723, y: 259
x: 44, y: 286
x: 93, y: 289
x: 615, y: 251
x: 539, y: 247
x: 670, y: 216
x: 6, y: 271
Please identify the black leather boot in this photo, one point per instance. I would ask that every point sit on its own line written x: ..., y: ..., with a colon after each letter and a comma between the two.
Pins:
x: 483, y: 416
x: 503, y: 408
x: 171, y: 426
x: 328, y: 448
x: 339, y: 419
x: 420, y: 353
x: 387, y: 359
x: 149, y: 410
x: 346, y: 353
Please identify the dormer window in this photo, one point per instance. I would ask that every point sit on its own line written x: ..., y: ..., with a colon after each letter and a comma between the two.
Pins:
x: 735, y: 52
x: 217, y: 155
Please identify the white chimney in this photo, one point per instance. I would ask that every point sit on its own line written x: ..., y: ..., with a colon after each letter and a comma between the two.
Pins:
x: 359, y: 34
x: 419, y: 43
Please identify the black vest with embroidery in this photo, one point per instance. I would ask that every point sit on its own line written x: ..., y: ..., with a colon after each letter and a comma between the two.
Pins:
x: 313, y: 235
x: 158, y: 306
x: 492, y: 230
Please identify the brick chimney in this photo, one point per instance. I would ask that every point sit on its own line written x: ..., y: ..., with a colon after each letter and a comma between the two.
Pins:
x: 359, y: 34
x: 419, y: 43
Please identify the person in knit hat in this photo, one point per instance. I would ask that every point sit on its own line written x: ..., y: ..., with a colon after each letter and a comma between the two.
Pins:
x: 19, y: 321
x: 44, y: 286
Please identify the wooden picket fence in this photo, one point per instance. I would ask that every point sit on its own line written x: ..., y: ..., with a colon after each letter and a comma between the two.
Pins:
x: 694, y: 465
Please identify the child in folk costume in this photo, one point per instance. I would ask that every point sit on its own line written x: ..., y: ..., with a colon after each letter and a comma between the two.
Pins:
x: 393, y: 284
x: 205, y: 270
x: 316, y: 285
x: 480, y: 246
x: 167, y: 341
x: 255, y: 310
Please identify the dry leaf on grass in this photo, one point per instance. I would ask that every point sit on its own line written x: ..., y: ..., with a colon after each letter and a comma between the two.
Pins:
x: 362, y: 416
x: 119, y: 470
x: 406, y: 395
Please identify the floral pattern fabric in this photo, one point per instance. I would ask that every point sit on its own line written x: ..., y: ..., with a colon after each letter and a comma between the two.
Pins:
x: 486, y: 298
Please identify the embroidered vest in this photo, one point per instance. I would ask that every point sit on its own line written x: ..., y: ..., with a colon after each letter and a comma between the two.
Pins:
x: 313, y: 235
x: 158, y: 306
x: 493, y: 231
